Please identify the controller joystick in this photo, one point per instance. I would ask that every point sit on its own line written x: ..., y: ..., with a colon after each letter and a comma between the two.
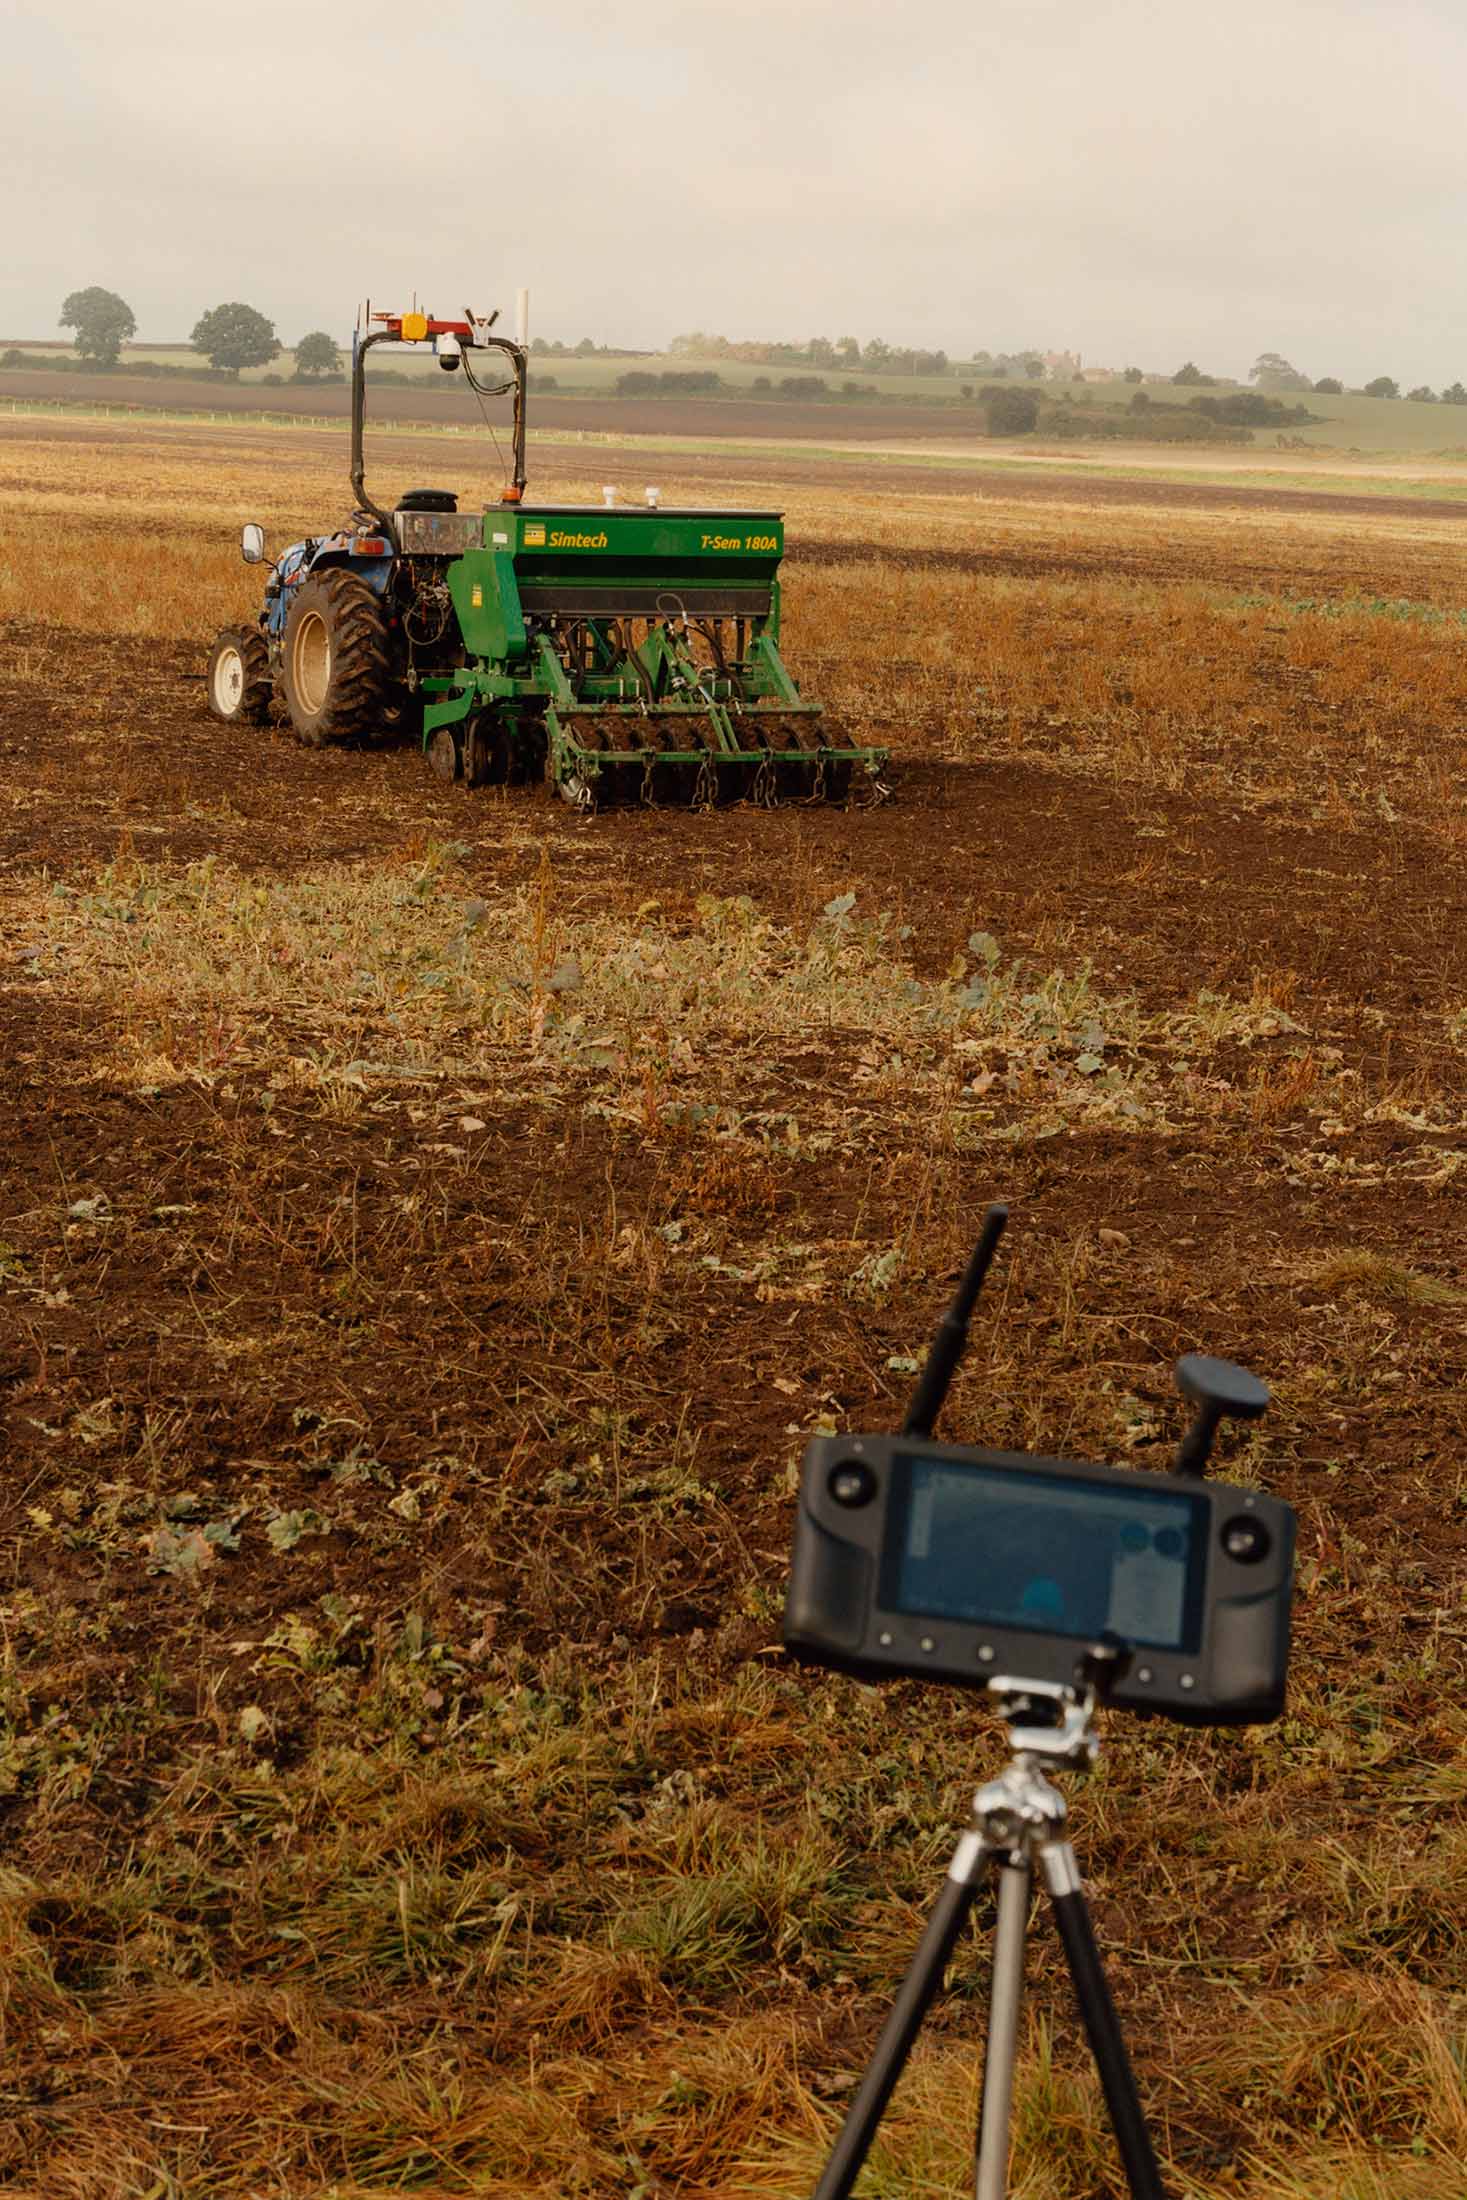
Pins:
x: 1218, y: 1389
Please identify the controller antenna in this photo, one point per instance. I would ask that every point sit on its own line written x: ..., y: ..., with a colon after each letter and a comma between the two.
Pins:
x: 1216, y: 1387
x: 952, y: 1331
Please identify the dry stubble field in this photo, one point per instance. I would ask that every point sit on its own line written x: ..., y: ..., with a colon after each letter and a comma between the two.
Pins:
x: 433, y: 1222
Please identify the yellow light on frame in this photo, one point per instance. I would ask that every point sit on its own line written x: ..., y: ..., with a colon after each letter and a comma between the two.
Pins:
x: 414, y: 327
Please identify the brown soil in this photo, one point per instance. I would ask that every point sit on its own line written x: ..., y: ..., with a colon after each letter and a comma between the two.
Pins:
x: 228, y: 1294
x: 1227, y: 894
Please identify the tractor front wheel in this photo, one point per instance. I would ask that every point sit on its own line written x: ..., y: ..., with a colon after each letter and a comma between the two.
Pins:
x: 336, y: 665
x: 238, y: 679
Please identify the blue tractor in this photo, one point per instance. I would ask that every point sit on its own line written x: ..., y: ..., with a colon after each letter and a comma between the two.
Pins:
x: 353, y: 621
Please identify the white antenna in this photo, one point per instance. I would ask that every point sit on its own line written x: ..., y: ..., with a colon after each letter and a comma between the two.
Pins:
x: 522, y: 318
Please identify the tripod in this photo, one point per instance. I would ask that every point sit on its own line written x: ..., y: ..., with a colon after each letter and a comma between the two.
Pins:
x: 1017, y: 1818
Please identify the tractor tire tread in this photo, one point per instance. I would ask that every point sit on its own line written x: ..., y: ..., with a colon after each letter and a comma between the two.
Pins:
x: 361, y: 664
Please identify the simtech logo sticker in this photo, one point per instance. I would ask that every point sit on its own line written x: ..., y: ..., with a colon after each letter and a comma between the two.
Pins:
x: 534, y: 536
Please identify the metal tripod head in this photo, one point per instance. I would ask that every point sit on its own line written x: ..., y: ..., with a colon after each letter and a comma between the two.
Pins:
x: 1067, y: 1737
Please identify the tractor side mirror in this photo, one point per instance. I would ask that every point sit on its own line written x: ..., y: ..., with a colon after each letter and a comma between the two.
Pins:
x: 252, y: 543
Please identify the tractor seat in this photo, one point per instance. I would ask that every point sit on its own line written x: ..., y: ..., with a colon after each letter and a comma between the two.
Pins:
x: 428, y: 500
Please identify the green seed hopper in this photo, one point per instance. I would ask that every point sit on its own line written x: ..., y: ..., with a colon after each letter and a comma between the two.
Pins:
x: 637, y: 649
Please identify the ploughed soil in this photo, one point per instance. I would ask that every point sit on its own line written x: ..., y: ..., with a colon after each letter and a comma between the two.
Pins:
x: 226, y: 1290
x: 1169, y: 893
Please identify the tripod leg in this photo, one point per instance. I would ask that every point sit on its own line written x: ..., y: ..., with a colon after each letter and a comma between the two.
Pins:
x: 913, y: 1997
x: 1102, y: 2026
x: 1006, y: 1992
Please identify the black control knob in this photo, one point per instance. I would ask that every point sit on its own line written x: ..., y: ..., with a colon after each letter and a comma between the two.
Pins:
x: 1245, y: 1539
x: 851, y: 1483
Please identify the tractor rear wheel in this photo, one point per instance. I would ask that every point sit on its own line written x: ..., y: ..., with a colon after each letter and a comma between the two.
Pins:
x: 336, y: 665
x: 238, y: 680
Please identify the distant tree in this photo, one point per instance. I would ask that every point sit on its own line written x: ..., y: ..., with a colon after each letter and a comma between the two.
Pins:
x: 876, y: 356
x: 1011, y: 412
x: 585, y: 348
x: 821, y: 351
x: 1249, y: 409
x: 1190, y: 376
x: 1455, y: 395
x: 850, y: 351
x: 1271, y: 371
x: 1033, y: 367
x: 234, y: 336
x: 965, y: 389
x: 1133, y: 374
x: 1382, y: 386
x: 103, y: 323
x: 681, y: 382
x: 1421, y: 395
x: 1329, y: 385
x: 317, y: 354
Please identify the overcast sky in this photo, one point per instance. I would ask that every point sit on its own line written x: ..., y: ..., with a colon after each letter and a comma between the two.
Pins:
x: 1144, y: 182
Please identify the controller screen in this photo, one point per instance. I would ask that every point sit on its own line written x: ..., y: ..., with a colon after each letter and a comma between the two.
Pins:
x: 1006, y: 1547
